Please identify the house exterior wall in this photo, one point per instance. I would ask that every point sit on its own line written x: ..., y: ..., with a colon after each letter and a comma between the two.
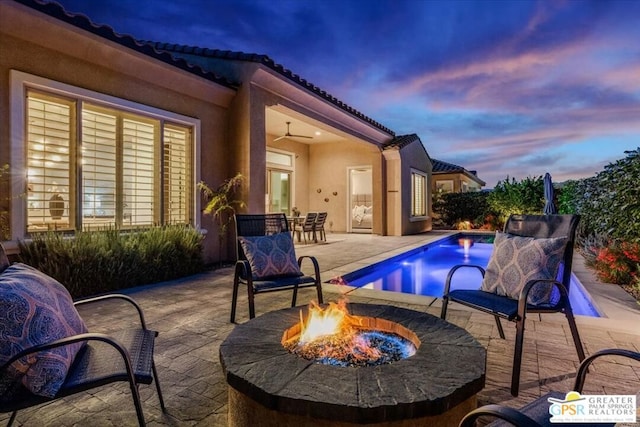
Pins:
x: 328, y: 167
x: 414, y: 157
x: 63, y: 53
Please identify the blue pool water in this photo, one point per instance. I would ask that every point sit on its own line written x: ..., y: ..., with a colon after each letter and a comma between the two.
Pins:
x: 423, y: 271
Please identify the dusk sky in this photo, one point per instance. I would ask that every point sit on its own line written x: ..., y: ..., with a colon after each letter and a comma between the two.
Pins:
x: 507, y: 88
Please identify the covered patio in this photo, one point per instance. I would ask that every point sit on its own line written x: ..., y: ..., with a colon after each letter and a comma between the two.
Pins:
x: 192, y: 317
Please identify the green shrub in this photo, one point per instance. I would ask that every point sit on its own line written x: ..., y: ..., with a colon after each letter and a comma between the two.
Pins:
x: 517, y: 197
x: 609, y: 202
x: 95, y: 262
x: 456, y: 208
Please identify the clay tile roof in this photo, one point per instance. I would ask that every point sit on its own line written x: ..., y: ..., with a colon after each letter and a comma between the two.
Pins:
x: 440, y: 166
x: 402, y: 141
x: 270, y: 63
x: 443, y: 167
x: 81, y: 21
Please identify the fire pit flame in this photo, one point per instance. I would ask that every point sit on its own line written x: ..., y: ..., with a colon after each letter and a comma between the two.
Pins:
x: 332, y: 320
x: 333, y: 336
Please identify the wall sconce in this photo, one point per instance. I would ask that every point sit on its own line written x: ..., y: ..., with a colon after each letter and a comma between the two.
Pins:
x: 319, y: 190
x: 335, y: 193
x: 326, y: 199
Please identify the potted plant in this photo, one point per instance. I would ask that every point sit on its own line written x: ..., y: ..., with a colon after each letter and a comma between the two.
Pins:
x: 222, y: 205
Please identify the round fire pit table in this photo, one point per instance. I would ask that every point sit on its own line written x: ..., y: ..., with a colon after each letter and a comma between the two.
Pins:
x: 269, y: 386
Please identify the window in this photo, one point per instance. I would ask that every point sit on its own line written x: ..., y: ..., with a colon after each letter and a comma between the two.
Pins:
x: 444, y: 186
x: 279, y: 182
x: 117, y: 168
x: 418, y: 194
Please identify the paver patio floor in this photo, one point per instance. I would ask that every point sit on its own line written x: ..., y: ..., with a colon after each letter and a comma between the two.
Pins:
x: 192, y: 316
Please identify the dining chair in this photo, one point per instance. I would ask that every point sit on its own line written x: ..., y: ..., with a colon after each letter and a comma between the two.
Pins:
x: 319, y: 226
x: 308, y: 226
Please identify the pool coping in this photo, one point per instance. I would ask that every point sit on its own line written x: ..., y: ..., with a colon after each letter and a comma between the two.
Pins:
x: 620, y: 311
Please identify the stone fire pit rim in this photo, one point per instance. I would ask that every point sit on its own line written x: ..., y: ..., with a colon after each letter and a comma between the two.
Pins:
x: 447, y: 369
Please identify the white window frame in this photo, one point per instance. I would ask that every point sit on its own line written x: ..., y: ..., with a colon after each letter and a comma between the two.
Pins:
x: 285, y: 168
x: 20, y: 82
x: 423, y: 175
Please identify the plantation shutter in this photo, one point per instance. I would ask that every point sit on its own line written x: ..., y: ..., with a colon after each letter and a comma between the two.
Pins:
x: 49, y: 189
x: 99, y: 159
x: 138, y: 167
x: 177, y: 141
x: 418, y: 191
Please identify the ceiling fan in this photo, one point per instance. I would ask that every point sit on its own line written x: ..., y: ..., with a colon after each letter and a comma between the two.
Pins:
x: 290, y: 135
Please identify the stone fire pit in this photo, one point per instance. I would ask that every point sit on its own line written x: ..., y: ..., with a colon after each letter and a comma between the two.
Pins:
x: 269, y: 386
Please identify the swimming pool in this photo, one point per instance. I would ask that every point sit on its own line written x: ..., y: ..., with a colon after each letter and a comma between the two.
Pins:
x: 423, y: 271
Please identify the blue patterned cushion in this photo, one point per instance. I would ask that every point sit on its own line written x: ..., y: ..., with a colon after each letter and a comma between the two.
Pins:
x: 37, y: 309
x: 270, y: 256
x: 516, y: 260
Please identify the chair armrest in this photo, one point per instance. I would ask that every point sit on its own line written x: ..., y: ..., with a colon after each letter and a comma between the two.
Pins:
x: 524, y: 294
x: 314, y: 261
x: 584, y: 366
x: 115, y: 296
x: 447, y: 283
x: 243, y: 270
x: 511, y: 415
x: 89, y: 336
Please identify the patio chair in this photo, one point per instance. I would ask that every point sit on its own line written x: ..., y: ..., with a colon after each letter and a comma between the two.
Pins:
x: 319, y: 226
x: 308, y: 226
x: 40, y: 364
x: 536, y: 413
x: 521, y: 278
x: 267, y: 260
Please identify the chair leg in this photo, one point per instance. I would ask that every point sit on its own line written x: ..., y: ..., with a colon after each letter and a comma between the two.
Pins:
x: 252, y: 308
x: 12, y: 419
x: 499, y: 325
x: 295, y: 296
x: 443, y: 310
x: 517, y: 357
x: 234, y: 299
x: 319, y: 290
x: 136, y: 401
x: 155, y: 377
x: 574, y: 333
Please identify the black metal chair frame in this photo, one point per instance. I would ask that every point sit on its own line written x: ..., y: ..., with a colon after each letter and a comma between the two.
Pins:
x: 521, y: 417
x: 262, y: 225
x: 80, y: 378
x: 516, y: 310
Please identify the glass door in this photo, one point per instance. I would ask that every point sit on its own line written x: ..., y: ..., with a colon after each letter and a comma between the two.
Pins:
x: 278, y: 191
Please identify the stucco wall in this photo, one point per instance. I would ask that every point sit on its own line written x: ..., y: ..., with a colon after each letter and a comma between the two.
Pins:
x: 414, y: 156
x: 328, y: 165
x: 63, y: 53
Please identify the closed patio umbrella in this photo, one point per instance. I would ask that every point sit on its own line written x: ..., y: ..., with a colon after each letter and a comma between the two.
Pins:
x: 549, y: 206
